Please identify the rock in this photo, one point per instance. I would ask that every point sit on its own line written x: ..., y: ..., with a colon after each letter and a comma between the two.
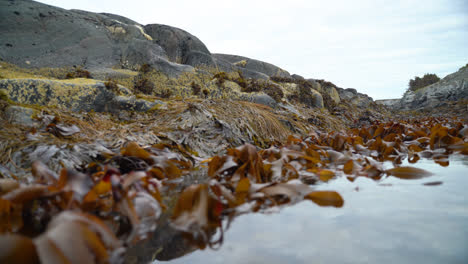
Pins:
x: 253, y: 65
x: 122, y: 19
x: 36, y: 35
x: 315, y: 85
x: 302, y: 93
x: 351, y: 94
x: 331, y: 91
x: 108, y: 73
x: 347, y: 94
x: 254, y: 74
x: 180, y: 46
x: 264, y: 99
x: 453, y: 87
x: 316, y: 100
x: 297, y: 77
x: 76, y: 95
x: 226, y: 66
x: 140, y: 52
x: 20, y: 115
x: 388, y: 102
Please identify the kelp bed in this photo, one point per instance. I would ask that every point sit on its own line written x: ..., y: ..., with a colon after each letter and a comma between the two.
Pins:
x: 93, y: 215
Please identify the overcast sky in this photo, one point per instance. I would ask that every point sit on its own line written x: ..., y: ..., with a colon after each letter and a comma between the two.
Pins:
x: 374, y: 46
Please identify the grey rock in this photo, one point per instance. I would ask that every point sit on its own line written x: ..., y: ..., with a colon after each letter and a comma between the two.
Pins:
x: 353, y: 96
x: 332, y: 92
x: 263, y: 99
x: 180, y: 46
x: 392, y: 103
x: 315, y: 85
x: 20, y: 115
x: 226, y: 66
x: 139, y: 51
x: 33, y: 34
x: 253, y: 74
x: 351, y: 90
x: 453, y: 87
x: 297, y: 77
x: 253, y: 65
x: 108, y: 73
x: 316, y: 100
x: 346, y: 95
x: 73, y: 96
x: 120, y: 19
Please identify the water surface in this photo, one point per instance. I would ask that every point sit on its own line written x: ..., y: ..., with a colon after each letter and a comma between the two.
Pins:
x: 390, y: 221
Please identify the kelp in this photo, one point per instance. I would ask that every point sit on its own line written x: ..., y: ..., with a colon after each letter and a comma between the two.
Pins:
x: 95, y: 213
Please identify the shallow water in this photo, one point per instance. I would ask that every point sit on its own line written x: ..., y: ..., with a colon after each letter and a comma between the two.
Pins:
x: 390, y: 221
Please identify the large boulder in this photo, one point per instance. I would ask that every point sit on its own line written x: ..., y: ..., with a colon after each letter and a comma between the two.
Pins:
x: 251, y: 66
x: 33, y: 34
x: 77, y: 95
x: 315, y: 85
x: 332, y: 93
x: 302, y: 93
x: 354, y: 97
x: 180, y: 46
x: 391, y: 103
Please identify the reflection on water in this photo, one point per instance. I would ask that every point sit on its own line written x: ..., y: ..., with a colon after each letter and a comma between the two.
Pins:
x: 391, y: 221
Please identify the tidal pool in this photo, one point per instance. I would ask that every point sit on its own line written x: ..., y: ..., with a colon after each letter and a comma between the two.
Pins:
x: 387, y: 221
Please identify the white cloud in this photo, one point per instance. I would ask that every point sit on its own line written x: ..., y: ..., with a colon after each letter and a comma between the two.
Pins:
x: 373, y: 46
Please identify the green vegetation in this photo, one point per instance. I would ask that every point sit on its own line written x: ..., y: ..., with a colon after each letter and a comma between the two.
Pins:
x: 418, y: 83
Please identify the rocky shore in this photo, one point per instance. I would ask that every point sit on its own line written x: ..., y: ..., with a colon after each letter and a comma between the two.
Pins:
x: 97, y: 106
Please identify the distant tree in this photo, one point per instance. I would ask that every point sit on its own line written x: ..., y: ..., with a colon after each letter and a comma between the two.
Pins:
x: 427, y: 79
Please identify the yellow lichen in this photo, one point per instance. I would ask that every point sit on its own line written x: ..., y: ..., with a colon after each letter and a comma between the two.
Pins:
x: 148, y: 37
